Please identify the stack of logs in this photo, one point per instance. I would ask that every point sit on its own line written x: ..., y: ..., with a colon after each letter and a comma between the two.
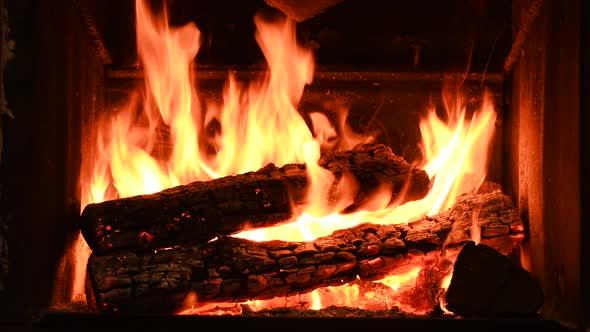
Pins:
x: 151, y: 251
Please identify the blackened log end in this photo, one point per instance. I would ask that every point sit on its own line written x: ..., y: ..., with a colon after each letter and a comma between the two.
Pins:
x: 486, y: 283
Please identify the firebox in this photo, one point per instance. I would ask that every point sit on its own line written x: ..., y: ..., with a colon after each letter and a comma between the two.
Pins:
x: 276, y: 162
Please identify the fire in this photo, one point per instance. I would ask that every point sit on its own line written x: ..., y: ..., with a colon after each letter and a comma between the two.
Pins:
x: 260, y: 123
x: 395, y: 281
x: 377, y: 295
x: 316, y: 300
x: 455, y: 154
x: 262, y: 112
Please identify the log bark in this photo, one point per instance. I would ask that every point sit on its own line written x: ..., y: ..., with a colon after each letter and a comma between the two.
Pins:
x: 486, y: 283
x: 203, y: 210
x: 233, y: 269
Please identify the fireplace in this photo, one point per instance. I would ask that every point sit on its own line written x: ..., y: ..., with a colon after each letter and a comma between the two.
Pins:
x: 77, y: 63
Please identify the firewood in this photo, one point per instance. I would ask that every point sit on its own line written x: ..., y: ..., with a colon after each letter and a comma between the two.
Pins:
x: 233, y: 269
x: 202, y: 210
x: 486, y: 283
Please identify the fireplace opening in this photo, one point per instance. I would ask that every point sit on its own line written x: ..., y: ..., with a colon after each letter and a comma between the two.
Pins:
x: 280, y: 159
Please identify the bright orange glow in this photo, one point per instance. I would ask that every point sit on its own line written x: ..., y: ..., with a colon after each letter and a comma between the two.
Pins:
x: 455, y: 154
x: 377, y: 295
x: 316, y: 301
x: 395, y: 281
x: 260, y: 124
x: 265, y: 125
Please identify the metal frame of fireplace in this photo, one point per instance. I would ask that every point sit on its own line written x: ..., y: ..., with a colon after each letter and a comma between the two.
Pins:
x: 64, y: 75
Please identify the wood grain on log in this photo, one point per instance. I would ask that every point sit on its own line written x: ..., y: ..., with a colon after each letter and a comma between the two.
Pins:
x: 232, y: 269
x: 202, y: 210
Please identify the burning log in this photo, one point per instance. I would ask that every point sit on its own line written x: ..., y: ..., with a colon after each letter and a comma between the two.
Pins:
x: 203, y: 210
x: 233, y: 269
x: 486, y: 283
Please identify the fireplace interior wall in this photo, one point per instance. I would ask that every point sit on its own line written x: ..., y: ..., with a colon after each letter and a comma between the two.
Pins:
x: 543, y: 159
x: 536, y: 154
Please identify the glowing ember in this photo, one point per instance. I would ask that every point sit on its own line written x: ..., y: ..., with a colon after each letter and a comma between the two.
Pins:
x: 260, y: 124
x: 316, y: 302
x: 395, y: 281
x: 377, y: 295
x: 258, y: 115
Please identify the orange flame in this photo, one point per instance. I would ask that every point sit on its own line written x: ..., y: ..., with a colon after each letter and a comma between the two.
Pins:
x: 264, y: 124
x: 260, y: 124
x: 456, y: 159
x: 377, y: 295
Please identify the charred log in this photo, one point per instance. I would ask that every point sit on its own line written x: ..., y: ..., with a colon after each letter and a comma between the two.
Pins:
x: 486, y: 283
x: 203, y: 210
x: 195, y: 212
x: 233, y: 269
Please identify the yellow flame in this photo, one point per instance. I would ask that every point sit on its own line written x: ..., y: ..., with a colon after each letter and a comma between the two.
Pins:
x: 456, y: 153
x: 262, y: 123
x: 316, y: 302
x: 368, y: 296
x: 251, y: 116
x: 395, y: 281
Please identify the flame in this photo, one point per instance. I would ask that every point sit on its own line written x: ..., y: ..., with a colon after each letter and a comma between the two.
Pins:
x: 316, y: 301
x: 456, y: 154
x: 167, y: 55
x: 445, y: 283
x: 395, y: 281
x: 263, y: 112
x: 378, y: 295
x: 260, y: 123
x: 457, y: 151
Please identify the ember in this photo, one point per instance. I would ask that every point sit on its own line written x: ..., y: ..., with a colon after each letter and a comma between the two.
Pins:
x: 348, y: 224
